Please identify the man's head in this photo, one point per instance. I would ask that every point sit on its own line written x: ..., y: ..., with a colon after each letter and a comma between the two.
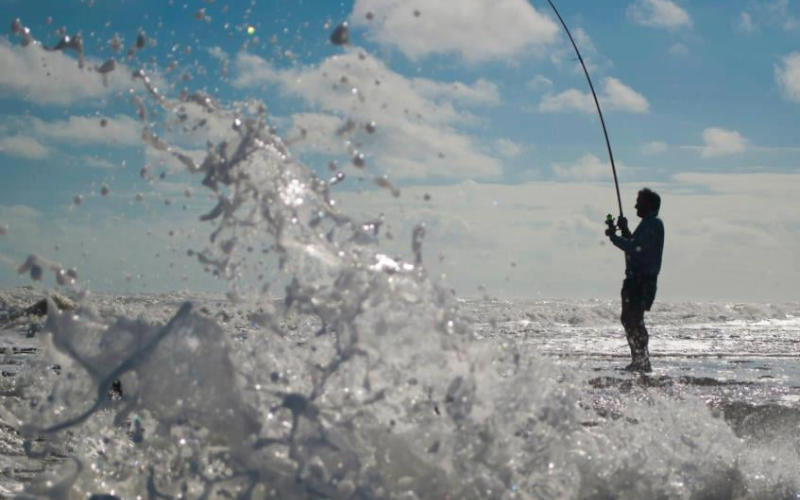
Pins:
x: 647, y: 202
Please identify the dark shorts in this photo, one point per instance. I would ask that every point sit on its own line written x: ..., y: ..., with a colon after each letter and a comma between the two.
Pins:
x: 640, y: 290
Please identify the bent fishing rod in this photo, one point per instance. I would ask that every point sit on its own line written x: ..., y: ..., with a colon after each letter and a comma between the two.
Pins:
x: 609, y: 219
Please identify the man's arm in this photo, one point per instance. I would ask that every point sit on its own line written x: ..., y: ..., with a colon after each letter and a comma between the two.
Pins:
x: 645, y: 239
x: 625, y: 242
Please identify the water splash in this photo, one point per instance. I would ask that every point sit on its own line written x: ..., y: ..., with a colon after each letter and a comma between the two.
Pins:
x: 313, y: 423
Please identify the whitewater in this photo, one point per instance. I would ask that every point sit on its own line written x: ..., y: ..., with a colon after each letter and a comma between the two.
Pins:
x: 333, y: 368
x: 543, y: 411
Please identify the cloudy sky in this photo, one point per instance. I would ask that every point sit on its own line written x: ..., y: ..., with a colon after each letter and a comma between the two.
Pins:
x: 483, y: 120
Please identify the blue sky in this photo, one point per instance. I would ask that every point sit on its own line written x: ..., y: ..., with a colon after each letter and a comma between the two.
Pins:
x: 480, y: 105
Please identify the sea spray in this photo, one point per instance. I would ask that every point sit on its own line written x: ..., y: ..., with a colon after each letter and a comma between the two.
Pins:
x: 313, y: 417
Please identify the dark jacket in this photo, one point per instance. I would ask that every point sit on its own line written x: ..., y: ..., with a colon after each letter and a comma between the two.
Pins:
x: 643, y: 248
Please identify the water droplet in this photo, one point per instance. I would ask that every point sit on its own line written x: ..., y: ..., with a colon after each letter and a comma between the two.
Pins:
x: 370, y: 127
x: 104, y: 190
x: 78, y: 199
x: 341, y: 35
x: 141, y: 40
x: 36, y: 272
x: 61, y: 277
x: 107, y: 67
x: 339, y: 177
x: 359, y: 160
x: 370, y: 16
x: 115, y: 43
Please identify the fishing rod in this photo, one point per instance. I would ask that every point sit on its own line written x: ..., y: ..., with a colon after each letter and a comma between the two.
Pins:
x: 609, y: 218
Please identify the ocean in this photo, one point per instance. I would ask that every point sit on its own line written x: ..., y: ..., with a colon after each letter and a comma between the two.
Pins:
x: 528, y: 400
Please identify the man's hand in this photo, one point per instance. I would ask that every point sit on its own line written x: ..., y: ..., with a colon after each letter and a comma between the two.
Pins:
x: 610, y: 229
x: 622, y: 224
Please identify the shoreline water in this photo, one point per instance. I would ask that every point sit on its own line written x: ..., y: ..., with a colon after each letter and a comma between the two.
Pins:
x: 753, y: 392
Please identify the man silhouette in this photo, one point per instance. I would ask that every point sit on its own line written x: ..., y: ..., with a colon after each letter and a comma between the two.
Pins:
x: 643, y: 249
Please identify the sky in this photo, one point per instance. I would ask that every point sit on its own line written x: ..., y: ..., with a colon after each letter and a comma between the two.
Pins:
x: 483, y: 120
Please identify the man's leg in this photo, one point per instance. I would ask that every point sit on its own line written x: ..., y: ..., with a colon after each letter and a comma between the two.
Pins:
x: 635, y: 331
x: 638, y: 340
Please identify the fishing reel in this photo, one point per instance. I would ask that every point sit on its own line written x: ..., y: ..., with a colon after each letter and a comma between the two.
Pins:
x: 612, y: 228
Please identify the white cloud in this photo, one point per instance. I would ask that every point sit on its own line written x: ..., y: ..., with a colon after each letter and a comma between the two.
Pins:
x: 769, y: 14
x: 745, y: 23
x: 678, y: 49
x: 93, y: 161
x: 787, y: 74
x: 563, y: 55
x: 107, y: 246
x: 654, y: 148
x: 591, y: 56
x: 220, y: 55
x: 658, y: 14
x: 539, y: 83
x: 778, y: 12
x: 721, y: 142
x: 23, y: 147
x: 45, y: 77
x: 120, y: 130
x: 481, y: 92
x: 508, y: 148
x: 586, y: 168
x: 416, y: 119
x: 620, y: 97
x: 75, y: 131
x: 474, y: 29
x: 19, y: 211
x: 553, y: 233
x: 616, y: 96
x: 569, y: 100
x: 320, y: 133
x: 253, y: 71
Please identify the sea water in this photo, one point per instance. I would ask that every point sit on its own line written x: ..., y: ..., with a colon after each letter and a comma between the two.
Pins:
x: 221, y: 406
x: 366, y: 378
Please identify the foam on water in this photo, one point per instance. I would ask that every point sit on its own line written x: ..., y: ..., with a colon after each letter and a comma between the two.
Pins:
x: 365, y: 382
